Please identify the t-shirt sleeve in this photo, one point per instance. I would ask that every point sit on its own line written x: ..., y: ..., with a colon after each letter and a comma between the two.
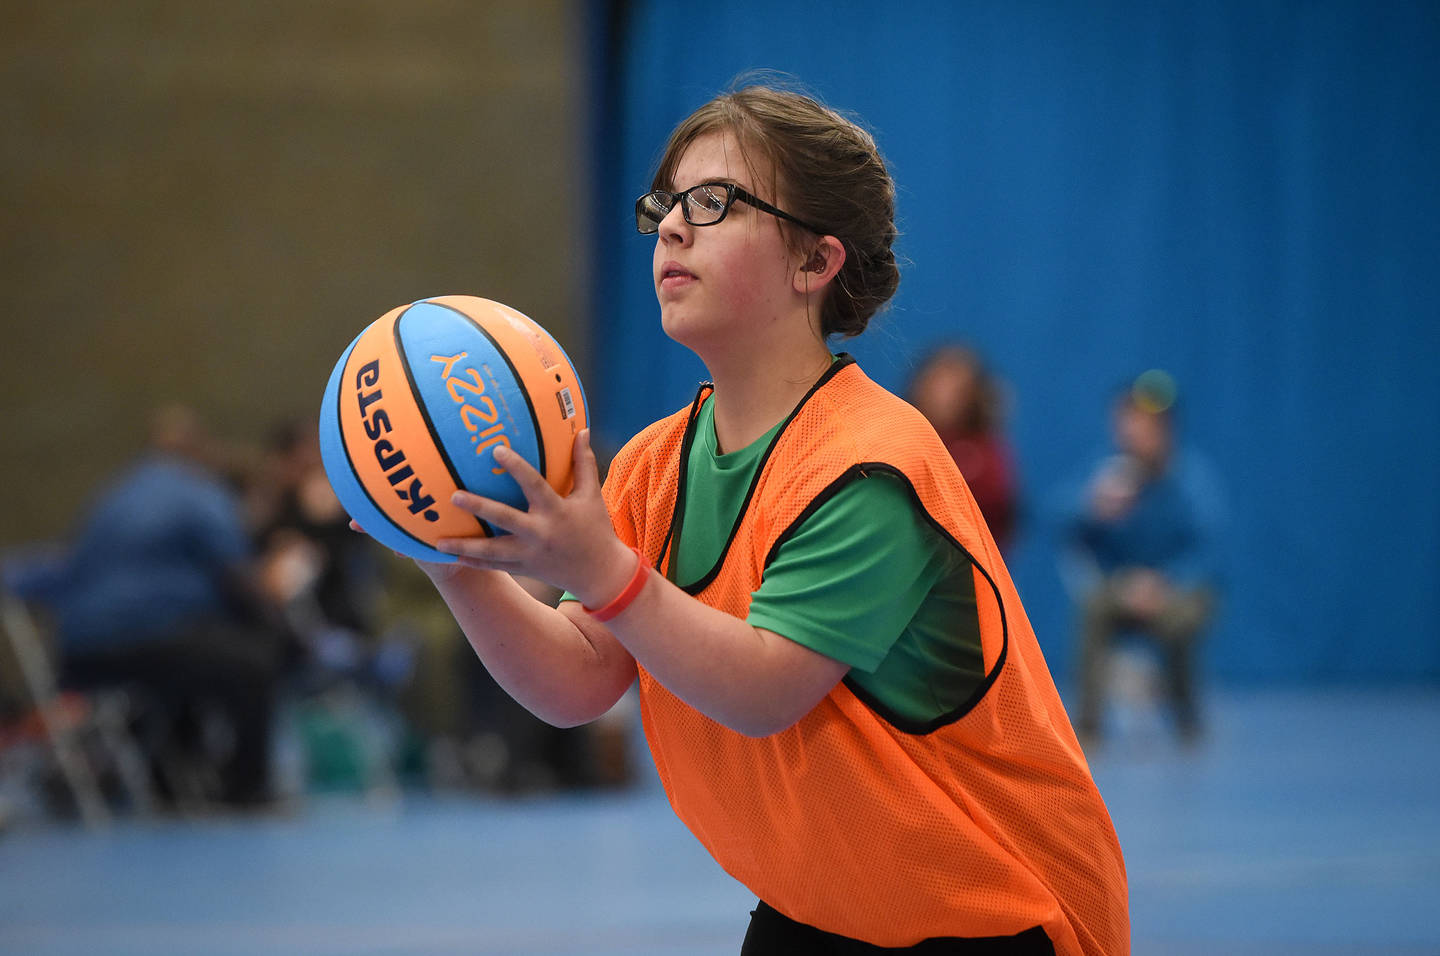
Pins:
x: 850, y: 579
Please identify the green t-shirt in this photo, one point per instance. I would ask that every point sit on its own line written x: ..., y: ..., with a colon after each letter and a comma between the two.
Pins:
x: 865, y: 580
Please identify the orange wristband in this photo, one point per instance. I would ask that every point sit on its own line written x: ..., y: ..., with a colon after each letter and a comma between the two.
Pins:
x: 627, y: 594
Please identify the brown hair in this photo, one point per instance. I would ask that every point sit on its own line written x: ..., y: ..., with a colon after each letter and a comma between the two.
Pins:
x: 824, y: 169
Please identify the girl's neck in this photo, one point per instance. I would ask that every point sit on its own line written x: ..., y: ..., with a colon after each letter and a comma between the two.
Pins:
x: 753, y: 393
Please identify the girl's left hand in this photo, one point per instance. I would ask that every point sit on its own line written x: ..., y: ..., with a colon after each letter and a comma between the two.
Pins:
x: 567, y: 542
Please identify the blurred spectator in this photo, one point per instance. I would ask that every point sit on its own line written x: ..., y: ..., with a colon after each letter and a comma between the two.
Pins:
x: 1142, y: 535
x: 347, y: 669
x: 322, y: 575
x: 158, y: 593
x: 955, y: 391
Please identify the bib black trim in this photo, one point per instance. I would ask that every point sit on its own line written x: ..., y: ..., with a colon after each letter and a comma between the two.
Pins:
x: 899, y: 721
x: 677, y: 517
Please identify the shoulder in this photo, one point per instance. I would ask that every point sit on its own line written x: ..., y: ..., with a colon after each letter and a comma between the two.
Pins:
x: 1200, y: 478
x: 645, y: 462
x: 652, y: 440
x: 182, y: 482
x: 852, y: 410
x: 851, y: 428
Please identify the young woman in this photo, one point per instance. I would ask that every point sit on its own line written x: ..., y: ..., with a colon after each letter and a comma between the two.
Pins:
x: 844, y: 699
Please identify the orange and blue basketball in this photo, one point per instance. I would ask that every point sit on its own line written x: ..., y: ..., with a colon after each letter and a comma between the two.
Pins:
x: 418, y: 403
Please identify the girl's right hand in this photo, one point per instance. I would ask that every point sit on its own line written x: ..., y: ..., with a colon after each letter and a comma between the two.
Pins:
x: 566, y: 541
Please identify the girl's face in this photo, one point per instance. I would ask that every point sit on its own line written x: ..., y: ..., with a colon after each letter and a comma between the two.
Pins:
x: 726, y: 283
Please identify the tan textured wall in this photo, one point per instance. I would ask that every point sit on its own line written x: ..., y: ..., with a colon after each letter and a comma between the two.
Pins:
x: 205, y: 201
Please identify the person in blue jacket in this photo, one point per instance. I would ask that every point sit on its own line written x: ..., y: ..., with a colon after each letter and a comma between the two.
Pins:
x: 1143, y: 531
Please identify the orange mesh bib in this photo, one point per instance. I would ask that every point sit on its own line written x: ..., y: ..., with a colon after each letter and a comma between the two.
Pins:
x: 985, y: 823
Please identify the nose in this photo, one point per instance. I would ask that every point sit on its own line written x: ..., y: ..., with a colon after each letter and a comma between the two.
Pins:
x: 674, y: 228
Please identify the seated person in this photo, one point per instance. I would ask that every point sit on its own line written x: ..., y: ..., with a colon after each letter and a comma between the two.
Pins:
x: 1145, y: 527
x: 157, y: 594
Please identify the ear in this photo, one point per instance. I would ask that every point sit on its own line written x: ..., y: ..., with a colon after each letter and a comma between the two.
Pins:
x: 821, y: 266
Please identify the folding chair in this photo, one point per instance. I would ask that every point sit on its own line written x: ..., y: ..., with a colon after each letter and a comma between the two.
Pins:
x: 106, y: 719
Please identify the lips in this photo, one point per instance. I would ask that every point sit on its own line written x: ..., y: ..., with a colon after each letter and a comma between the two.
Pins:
x: 673, y: 275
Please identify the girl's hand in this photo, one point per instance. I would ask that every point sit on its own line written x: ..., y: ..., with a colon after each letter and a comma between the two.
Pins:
x: 567, y: 542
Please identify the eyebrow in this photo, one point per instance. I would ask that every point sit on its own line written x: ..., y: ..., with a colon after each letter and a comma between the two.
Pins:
x: 711, y: 179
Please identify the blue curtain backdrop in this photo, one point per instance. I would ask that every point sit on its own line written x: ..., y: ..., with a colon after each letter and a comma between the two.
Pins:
x: 1244, y: 194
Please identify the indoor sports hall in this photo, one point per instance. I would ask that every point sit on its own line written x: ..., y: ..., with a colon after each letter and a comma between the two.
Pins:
x: 1222, y: 216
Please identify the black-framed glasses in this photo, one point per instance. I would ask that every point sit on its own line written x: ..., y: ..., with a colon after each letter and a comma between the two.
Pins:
x: 702, y: 205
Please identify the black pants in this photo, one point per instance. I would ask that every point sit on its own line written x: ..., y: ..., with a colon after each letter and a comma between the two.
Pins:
x: 774, y: 934
x: 218, y: 663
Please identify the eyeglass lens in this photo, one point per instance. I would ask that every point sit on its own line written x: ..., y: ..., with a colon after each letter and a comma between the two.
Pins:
x: 704, y: 204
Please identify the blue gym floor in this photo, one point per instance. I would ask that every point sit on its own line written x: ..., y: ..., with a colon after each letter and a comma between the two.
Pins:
x: 1307, y: 822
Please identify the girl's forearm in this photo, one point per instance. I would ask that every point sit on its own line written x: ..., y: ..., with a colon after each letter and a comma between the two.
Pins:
x: 563, y: 672
x: 749, y: 679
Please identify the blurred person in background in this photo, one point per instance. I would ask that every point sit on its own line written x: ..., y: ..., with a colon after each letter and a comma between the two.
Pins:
x: 1142, y: 534
x: 954, y: 389
x: 321, y: 576
x: 158, y: 592
x: 351, y: 648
